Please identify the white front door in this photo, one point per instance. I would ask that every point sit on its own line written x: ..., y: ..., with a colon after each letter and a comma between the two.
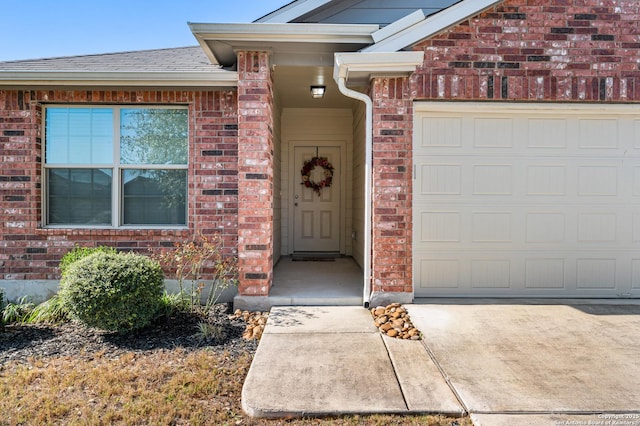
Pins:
x: 316, y: 214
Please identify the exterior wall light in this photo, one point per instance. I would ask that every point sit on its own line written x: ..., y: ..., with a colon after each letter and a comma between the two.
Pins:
x: 317, y: 92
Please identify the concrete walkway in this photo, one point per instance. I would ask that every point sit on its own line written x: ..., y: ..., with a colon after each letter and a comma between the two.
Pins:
x: 504, y: 364
x: 332, y: 360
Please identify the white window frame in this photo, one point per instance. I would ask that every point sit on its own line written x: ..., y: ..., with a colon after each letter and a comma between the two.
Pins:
x: 117, y: 191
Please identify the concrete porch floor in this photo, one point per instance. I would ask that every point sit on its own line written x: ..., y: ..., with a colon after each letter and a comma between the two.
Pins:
x: 336, y: 282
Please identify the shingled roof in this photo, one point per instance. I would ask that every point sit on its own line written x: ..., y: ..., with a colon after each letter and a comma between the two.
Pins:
x: 175, y: 67
x: 181, y: 59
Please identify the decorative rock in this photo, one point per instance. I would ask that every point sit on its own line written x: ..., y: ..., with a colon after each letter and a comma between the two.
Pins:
x: 256, y: 322
x: 381, y: 320
x: 386, y: 326
x: 393, y: 320
x: 398, y: 322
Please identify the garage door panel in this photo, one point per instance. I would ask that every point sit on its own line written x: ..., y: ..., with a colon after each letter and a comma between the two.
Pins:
x: 530, y: 274
x: 532, y: 203
x: 560, y: 177
x: 493, y: 132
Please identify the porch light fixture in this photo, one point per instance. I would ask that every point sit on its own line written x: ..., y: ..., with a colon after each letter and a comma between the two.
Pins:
x: 317, y: 92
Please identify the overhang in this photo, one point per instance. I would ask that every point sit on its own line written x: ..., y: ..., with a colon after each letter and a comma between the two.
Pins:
x: 290, y: 44
x: 414, y: 32
x: 293, y: 10
x: 359, y: 68
x: 213, y: 79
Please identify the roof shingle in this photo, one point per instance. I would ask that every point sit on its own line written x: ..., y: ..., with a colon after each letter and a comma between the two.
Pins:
x: 181, y: 59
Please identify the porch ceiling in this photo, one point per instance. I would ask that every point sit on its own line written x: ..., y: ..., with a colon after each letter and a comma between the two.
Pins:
x: 292, y: 86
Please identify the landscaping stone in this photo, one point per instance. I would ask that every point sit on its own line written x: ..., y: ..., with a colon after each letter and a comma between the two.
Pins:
x: 256, y: 322
x: 393, y: 320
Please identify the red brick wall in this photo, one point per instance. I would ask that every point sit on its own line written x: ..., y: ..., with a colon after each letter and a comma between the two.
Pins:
x: 255, y: 169
x: 392, y: 162
x: 27, y: 251
x: 520, y: 50
x: 555, y: 50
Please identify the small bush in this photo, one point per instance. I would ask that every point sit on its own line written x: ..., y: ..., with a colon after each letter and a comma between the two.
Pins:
x: 113, y: 291
x: 78, y: 253
x: 193, y: 263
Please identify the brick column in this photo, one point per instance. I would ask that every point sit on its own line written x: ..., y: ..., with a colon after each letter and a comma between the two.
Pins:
x: 255, y: 177
x: 392, y: 191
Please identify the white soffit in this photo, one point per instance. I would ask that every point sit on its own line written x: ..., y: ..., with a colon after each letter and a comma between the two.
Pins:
x: 319, y: 33
x: 221, y: 41
x: 119, y: 78
x: 360, y: 67
x: 431, y: 25
x: 292, y: 11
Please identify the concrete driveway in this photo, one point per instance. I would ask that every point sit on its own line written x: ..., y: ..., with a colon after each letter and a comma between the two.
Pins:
x: 523, y: 363
x: 503, y: 362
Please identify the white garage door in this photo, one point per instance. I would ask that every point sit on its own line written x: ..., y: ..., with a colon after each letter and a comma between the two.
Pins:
x: 526, y: 200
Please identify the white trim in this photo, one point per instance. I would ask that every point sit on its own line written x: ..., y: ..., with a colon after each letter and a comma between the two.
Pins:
x: 359, y: 65
x: 292, y: 11
x: 432, y: 25
x: 526, y: 108
x: 263, y: 32
x: 217, y: 78
x: 399, y: 25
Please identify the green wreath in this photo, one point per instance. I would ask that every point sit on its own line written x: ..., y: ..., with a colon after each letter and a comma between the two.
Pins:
x: 309, y: 165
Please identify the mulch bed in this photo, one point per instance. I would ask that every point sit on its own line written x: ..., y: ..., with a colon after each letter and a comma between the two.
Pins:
x: 20, y: 342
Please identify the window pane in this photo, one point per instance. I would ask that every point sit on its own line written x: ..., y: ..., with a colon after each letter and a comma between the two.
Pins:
x: 153, y: 136
x: 154, y: 197
x: 79, y: 136
x: 79, y: 196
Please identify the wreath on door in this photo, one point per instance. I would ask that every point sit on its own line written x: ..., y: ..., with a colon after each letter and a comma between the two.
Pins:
x: 309, y: 165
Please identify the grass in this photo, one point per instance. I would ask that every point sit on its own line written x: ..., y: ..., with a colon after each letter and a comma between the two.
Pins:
x: 160, y: 388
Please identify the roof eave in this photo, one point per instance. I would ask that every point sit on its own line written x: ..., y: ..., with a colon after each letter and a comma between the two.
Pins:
x: 220, y: 41
x: 431, y: 26
x: 118, y: 78
x: 360, y: 67
x: 314, y: 33
x: 293, y: 11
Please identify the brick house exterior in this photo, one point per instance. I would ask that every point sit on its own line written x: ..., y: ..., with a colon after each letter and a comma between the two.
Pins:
x: 536, y: 51
x: 31, y: 252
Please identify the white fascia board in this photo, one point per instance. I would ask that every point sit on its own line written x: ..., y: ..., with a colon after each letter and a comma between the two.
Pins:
x: 262, y: 32
x: 377, y: 63
x: 116, y: 78
x: 293, y: 11
x: 431, y: 26
x: 399, y: 25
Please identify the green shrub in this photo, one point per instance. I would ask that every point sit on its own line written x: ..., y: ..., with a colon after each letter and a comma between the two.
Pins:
x: 113, y: 291
x: 78, y: 253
